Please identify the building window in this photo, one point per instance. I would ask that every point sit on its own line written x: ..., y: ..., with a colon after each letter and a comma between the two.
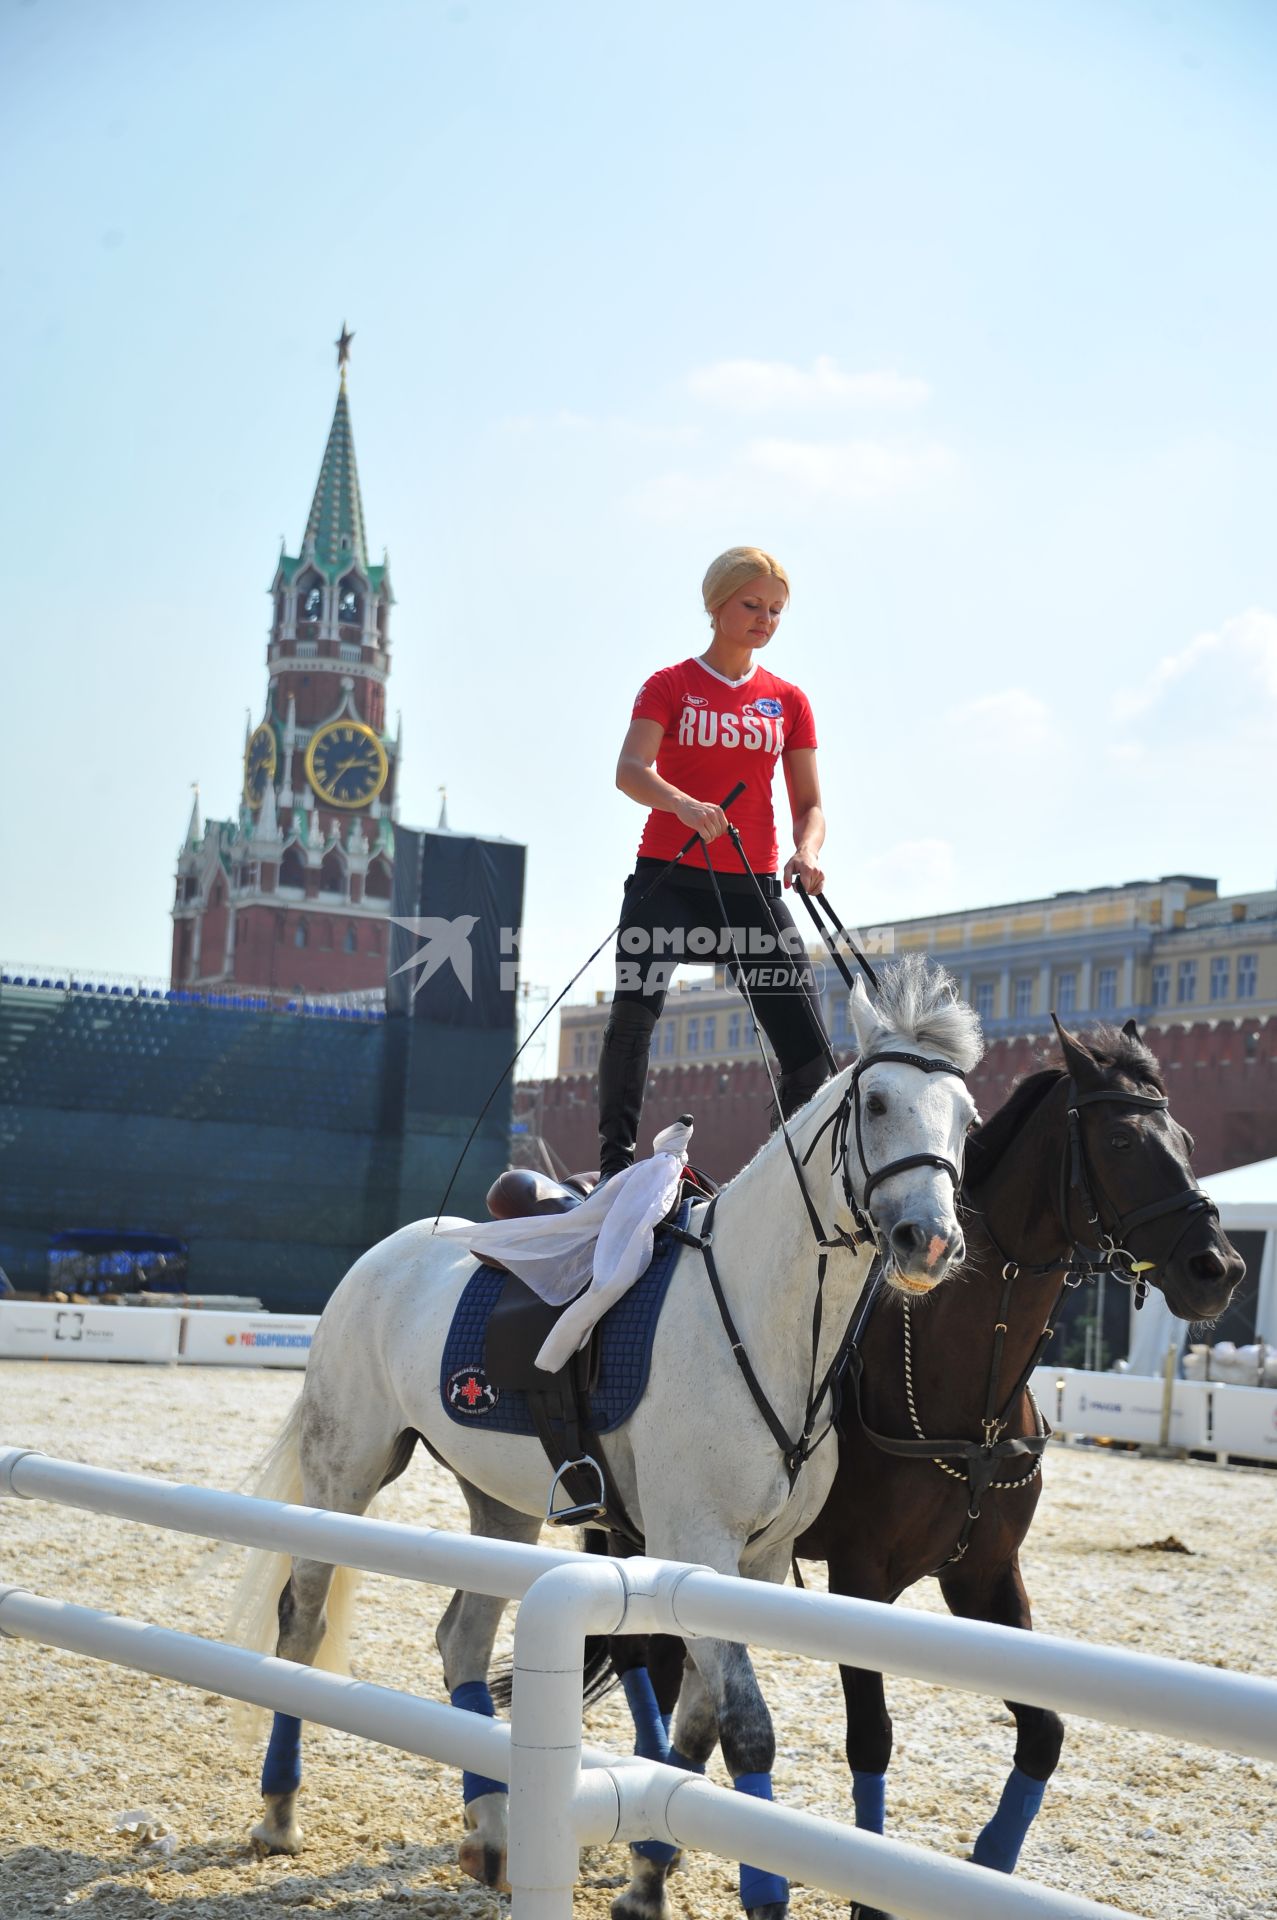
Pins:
x: 984, y: 999
x: 1186, y: 982
x: 840, y: 1018
x: 1066, y: 993
x: 1106, y: 990
x: 300, y: 937
x: 693, y: 1033
x: 669, y: 1038
x: 1219, y: 971
x: 578, y: 1049
x: 1247, y: 975
x: 751, y: 1031
x: 733, y: 1033
x: 592, y: 1050
x: 710, y: 1034
x: 1161, y: 983
x: 1024, y: 996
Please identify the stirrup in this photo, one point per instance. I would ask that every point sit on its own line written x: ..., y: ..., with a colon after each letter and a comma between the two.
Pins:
x: 580, y: 1515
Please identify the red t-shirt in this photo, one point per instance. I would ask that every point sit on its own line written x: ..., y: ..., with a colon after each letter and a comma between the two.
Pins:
x: 719, y: 732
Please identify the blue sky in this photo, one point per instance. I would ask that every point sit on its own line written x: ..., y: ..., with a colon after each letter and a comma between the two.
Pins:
x: 963, y: 310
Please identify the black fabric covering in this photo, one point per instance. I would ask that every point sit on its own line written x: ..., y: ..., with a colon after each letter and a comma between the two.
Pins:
x: 456, y: 1043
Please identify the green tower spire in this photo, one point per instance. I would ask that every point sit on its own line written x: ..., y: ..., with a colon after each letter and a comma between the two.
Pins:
x: 335, y: 529
x: 335, y: 540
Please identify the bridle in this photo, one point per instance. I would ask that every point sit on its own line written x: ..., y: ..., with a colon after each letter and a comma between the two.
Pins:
x: 850, y: 1107
x: 982, y: 1460
x: 843, y: 1125
x: 1111, y: 1255
x: 1078, y: 1177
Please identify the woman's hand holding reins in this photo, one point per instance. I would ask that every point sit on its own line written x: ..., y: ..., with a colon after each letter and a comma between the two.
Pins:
x: 805, y: 867
x: 698, y: 816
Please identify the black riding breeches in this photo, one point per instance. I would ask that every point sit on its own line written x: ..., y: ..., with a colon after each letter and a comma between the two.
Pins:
x: 678, y: 922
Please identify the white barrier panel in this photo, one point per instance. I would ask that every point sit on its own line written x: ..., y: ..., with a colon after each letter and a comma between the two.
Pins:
x: 1128, y: 1406
x: 246, y: 1339
x: 36, y: 1331
x: 1245, y: 1421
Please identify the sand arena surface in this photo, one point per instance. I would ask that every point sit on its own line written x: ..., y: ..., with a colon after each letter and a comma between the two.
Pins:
x: 1161, y: 1827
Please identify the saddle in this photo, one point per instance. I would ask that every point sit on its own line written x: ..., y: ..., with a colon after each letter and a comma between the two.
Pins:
x: 559, y: 1403
x: 521, y: 1193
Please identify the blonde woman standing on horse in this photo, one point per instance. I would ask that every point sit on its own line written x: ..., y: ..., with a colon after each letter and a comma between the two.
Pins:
x: 698, y: 729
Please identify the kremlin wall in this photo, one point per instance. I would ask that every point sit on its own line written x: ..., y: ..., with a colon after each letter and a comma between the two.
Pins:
x: 1221, y: 1076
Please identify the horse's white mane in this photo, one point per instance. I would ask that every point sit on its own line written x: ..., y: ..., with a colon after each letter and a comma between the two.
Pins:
x: 918, y: 1003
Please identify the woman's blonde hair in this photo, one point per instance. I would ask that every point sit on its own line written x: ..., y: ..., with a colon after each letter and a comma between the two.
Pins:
x: 730, y: 572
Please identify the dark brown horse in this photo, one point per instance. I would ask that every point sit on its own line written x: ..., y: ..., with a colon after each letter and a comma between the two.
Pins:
x: 1081, y: 1167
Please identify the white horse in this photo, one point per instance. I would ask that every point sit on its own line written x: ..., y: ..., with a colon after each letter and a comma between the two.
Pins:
x: 696, y: 1464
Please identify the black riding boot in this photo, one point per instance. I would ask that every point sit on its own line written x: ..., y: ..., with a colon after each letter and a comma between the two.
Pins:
x: 797, y: 1088
x: 622, y: 1083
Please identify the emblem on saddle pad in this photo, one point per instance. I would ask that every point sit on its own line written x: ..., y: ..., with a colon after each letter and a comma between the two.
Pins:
x: 470, y: 1391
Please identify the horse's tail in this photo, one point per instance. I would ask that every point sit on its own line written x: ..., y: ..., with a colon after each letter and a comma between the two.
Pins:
x: 253, y: 1620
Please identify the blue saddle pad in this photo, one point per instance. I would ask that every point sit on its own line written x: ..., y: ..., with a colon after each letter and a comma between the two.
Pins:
x: 626, y: 1333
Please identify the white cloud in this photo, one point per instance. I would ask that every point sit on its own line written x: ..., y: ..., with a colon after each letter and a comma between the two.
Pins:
x: 1013, y: 721
x: 856, y: 470
x: 1243, y: 650
x: 756, y: 386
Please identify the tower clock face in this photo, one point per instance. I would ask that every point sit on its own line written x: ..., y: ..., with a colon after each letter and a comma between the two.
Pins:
x: 260, y: 760
x: 346, y: 763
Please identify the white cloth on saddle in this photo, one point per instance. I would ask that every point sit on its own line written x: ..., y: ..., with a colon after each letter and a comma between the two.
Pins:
x: 606, y: 1241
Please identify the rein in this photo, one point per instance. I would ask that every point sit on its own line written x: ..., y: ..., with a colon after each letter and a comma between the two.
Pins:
x: 845, y: 1117
x: 839, y: 1125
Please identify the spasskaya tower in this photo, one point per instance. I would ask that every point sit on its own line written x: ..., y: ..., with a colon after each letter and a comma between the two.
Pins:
x: 293, y: 895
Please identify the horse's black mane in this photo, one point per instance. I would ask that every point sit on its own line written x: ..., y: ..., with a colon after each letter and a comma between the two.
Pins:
x: 1117, y: 1052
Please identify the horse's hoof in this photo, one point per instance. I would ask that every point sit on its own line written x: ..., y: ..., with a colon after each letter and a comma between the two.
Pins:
x: 642, y: 1903
x: 644, y: 1898
x: 482, y: 1854
x: 268, y: 1837
x: 483, y: 1862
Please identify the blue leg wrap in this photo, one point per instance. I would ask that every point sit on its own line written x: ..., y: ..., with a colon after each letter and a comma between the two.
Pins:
x: 473, y: 1696
x: 869, y: 1792
x: 999, y: 1844
x: 759, y: 1889
x: 660, y: 1852
x: 651, y: 1735
x: 282, y: 1767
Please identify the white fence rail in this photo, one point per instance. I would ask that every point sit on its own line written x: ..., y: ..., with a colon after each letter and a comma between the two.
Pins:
x: 563, y: 1795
